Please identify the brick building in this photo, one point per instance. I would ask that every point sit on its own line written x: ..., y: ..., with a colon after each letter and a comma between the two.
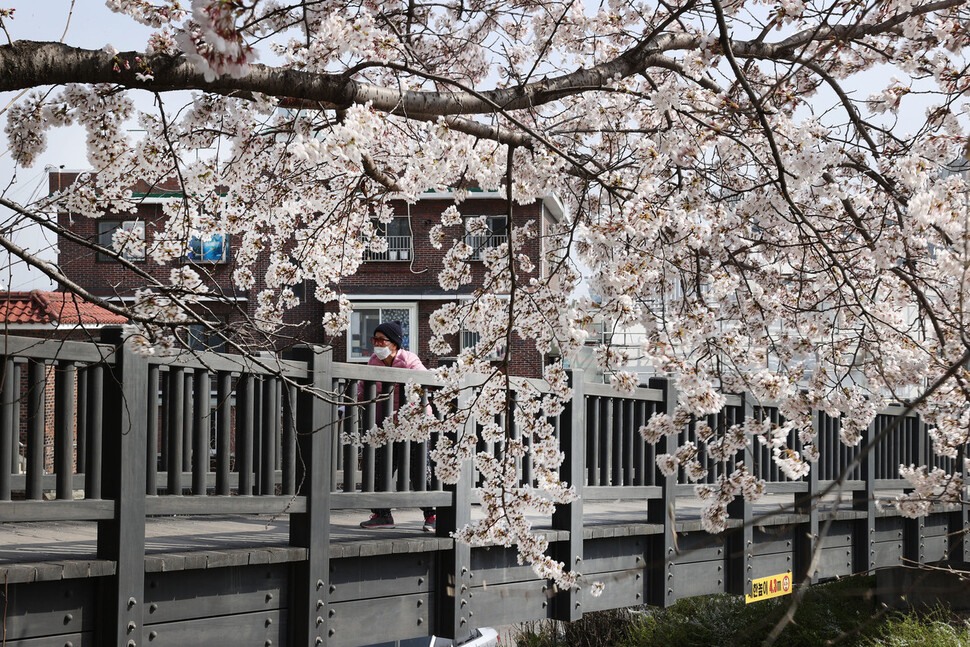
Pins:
x: 400, y: 284
x: 48, y: 315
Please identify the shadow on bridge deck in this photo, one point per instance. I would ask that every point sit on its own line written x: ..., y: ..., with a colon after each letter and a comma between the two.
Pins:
x: 28, y: 542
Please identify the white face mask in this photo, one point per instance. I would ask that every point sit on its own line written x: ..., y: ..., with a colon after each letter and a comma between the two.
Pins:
x: 382, y: 352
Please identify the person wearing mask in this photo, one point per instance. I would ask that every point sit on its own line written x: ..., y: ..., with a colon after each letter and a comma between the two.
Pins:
x: 387, y: 341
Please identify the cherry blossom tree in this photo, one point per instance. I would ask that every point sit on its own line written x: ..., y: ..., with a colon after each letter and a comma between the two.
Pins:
x: 732, y: 191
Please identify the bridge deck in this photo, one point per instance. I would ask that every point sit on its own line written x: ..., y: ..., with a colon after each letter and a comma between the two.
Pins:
x: 177, y: 542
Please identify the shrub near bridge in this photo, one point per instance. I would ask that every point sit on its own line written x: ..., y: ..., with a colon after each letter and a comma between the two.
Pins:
x: 840, y: 613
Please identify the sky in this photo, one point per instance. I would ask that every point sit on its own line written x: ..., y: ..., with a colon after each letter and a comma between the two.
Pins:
x: 92, y: 25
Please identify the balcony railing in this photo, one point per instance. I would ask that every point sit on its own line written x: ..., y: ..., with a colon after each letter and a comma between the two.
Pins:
x: 480, y: 242
x: 398, y: 249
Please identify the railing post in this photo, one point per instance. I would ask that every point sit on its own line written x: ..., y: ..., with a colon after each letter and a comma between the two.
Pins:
x: 122, y: 538
x: 64, y: 416
x: 806, y: 536
x: 864, y: 537
x: 913, y: 544
x: 572, y: 442
x: 661, y: 511
x: 454, y: 577
x: 315, y: 423
x: 739, y: 542
x: 8, y: 400
x: 958, y: 521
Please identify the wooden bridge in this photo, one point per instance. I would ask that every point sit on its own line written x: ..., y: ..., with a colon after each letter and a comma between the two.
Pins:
x: 152, y: 501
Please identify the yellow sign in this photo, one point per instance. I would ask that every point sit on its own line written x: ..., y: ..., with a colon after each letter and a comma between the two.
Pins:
x: 769, y: 587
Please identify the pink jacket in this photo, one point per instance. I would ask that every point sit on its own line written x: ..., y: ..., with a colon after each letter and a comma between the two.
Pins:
x: 403, y: 359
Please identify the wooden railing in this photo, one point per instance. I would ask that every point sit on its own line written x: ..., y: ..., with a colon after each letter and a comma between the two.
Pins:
x: 98, y: 432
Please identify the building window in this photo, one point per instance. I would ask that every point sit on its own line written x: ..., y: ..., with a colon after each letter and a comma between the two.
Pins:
x: 366, y: 317
x: 133, y: 250
x: 398, y: 235
x: 492, y: 235
x: 209, y: 249
x: 470, y: 339
x: 199, y: 337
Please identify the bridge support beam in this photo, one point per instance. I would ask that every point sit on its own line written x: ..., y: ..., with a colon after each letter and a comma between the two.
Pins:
x: 122, y: 538
x: 572, y: 439
x: 311, y: 529
x: 863, y: 539
x: 454, y: 602
x: 806, y: 540
x: 660, y: 547
x: 739, y: 543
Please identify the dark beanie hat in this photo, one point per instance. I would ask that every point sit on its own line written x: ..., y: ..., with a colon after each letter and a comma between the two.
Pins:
x: 393, y: 331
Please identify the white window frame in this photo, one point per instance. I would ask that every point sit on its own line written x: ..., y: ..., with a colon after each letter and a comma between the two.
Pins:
x: 410, y: 306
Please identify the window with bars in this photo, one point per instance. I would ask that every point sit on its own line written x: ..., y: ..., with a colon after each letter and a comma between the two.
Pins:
x: 470, y: 339
x: 398, y: 235
x: 494, y: 234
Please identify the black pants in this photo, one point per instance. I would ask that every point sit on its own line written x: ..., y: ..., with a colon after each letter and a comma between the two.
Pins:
x: 414, y: 471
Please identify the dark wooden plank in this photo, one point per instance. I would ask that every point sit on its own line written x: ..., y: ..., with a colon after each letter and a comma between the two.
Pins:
x: 697, y: 578
x: 261, y: 628
x: 8, y: 399
x: 661, y: 510
x: 289, y: 454
x: 767, y: 565
x: 36, y: 413
x: 357, y: 500
x: 517, y: 602
x: 835, y: 562
x: 95, y: 425
x: 173, y: 429
x: 316, y: 422
x: 888, y: 553
x: 79, y: 639
x: 807, y: 535
x: 740, y: 541
x: 599, y: 493
x: 83, y: 404
x: 366, y: 578
x: 55, y: 571
x: 245, y: 410
x: 224, y: 504
x: 151, y: 449
x: 213, y: 592
x: 201, y: 421
x: 64, y: 373
x: 612, y: 554
x: 233, y: 363
x: 622, y: 589
x: 123, y: 538
x: 88, y: 510
x: 497, y: 565
x: 188, y: 421
x: 569, y: 517
x: 452, y: 620
x: 49, y: 607
x: 864, y: 500
x: 54, y: 349
x: 223, y: 431
x: 362, y: 621
x: 267, y: 434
